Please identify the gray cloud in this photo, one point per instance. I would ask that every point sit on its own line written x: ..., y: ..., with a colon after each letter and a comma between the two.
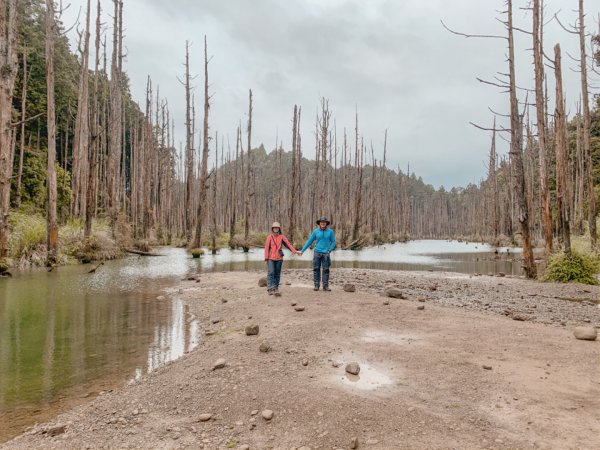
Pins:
x: 393, y: 60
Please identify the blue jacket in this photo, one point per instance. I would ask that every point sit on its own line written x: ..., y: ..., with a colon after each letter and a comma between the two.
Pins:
x: 325, y: 240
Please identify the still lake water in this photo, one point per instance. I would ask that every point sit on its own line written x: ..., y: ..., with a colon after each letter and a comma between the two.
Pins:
x: 67, y: 335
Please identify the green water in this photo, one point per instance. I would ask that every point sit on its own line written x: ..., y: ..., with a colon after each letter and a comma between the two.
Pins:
x: 68, y: 335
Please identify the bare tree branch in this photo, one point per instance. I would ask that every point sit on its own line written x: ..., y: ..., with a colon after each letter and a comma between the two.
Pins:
x: 471, y: 35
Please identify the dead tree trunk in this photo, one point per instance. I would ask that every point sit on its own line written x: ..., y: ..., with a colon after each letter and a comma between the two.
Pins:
x: 234, y: 196
x: 189, y: 151
x: 560, y: 142
x: 358, y: 160
x: 294, y: 180
x: 81, y: 138
x: 213, y: 229
x: 205, y: 150
x: 321, y: 183
x: 94, y: 148
x: 249, y: 180
x: 114, y: 148
x: 8, y: 74
x: 587, y: 145
x: 516, y: 152
x: 22, y: 134
x: 541, y: 124
x: 52, y: 224
x: 494, y: 186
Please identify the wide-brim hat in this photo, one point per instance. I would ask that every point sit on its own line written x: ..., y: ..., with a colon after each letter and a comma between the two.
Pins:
x: 323, y: 219
x: 275, y: 225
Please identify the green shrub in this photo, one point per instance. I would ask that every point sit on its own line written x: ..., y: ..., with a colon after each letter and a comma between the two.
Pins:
x: 575, y: 267
x: 257, y: 239
x: 197, y: 252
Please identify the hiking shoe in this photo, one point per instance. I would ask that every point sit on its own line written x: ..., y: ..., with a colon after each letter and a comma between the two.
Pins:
x: 316, y: 288
x: 270, y: 292
x: 277, y: 294
x: 326, y: 288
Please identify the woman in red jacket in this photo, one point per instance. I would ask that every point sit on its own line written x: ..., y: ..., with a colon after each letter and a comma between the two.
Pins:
x: 274, y: 257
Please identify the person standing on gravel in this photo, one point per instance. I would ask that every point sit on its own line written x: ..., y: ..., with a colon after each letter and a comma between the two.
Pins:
x: 325, y: 238
x: 274, y: 257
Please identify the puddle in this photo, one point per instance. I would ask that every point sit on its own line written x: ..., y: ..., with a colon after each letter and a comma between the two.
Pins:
x: 379, y: 336
x: 368, y: 379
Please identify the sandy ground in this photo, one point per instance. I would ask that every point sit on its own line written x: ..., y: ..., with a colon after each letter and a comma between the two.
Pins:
x: 422, y: 382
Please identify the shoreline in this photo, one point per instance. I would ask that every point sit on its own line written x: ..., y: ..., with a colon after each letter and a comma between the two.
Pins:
x: 420, y: 364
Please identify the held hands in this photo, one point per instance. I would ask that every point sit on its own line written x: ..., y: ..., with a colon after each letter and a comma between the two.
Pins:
x: 299, y: 253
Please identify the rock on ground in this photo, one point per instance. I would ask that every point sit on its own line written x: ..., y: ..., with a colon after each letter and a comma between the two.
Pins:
x: 219, y: 364
x: 353, y: 368
x: 585, y: 333
x: 265, y: 347
x: 394, y: 292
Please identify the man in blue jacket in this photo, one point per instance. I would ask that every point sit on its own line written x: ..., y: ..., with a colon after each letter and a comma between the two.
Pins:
x: 325, y: 238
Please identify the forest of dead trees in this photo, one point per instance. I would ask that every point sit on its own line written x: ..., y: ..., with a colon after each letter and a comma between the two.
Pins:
x: 91, y: 152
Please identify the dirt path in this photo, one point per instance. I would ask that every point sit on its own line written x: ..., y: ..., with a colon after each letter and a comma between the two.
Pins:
x: 422, y: 382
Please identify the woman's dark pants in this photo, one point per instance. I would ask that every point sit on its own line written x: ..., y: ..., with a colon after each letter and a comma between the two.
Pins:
x: 274, y: 274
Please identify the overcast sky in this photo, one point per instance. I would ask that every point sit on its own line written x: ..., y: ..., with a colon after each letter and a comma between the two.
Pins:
x: 391, y: 59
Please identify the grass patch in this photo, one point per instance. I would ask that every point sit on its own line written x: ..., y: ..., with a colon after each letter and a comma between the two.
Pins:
x: 27, y: 241
x: 575, y: 267
x: 27, y: 238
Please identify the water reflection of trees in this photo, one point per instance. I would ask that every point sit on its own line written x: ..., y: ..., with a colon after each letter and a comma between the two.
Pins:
x: 173, y: 339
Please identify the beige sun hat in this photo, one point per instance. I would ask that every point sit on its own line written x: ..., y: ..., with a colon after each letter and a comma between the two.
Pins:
x: 276, y: 225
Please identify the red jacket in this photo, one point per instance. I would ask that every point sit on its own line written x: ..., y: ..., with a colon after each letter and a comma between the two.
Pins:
x: 274, y: 243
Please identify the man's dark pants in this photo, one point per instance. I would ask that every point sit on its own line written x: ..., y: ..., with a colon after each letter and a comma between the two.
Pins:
x: 321, y: 260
